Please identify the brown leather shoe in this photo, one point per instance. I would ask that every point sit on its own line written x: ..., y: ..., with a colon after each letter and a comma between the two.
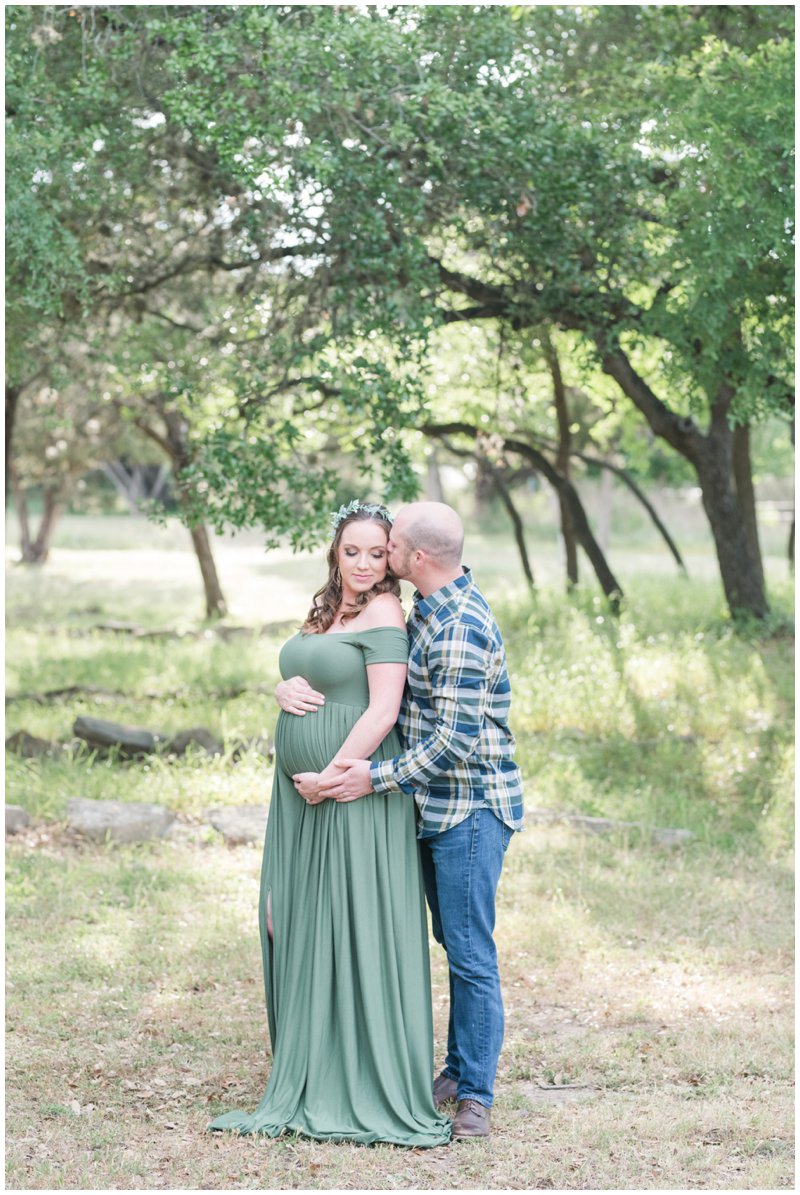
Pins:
x: 444, y: 1089
x: 471, y: 1120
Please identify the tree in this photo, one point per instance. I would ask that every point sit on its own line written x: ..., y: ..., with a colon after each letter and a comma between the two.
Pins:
x: 61, y: 435
x: 186, y: 289
x: 401, y: 169
x: 485, y: 181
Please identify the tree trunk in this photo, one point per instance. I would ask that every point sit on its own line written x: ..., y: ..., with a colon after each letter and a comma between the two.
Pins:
x: 181, y: 457
x: 433, y: 481
x: 21, y: 505
x: 516, y: 521
x: 790, y: 544
x: 487, y: 469
x: 126, y: 482
x: 611, y: 587
x: 563, y: 461
x: 12, y: 400
x: 215, y: 601
x: 712, y: 457
x: 624, y: 476
x: 37, y: 551
x: 790, y: 548
x: 13, y: 395
x: 583, y: 532
x: 745, y: 492
x: 134, y: 485
x: 54, y: 504
x: 482, y: 495
x: 739, y: 561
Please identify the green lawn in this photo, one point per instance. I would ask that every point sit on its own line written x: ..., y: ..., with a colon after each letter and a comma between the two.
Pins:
x: 648, y: 992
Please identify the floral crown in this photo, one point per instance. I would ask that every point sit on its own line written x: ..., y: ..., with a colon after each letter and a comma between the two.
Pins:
x: 371, y: 508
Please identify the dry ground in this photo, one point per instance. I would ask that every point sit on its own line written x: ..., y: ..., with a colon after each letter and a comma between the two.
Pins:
x: 648, y: 1041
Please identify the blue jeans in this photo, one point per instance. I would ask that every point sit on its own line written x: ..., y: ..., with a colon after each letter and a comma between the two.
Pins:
x: 461, y: 869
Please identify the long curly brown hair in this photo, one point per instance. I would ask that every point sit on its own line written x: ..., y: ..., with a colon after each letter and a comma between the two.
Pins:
x: 328, y: 599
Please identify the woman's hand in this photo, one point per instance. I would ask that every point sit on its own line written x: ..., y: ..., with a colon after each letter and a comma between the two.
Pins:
x: 295, y: 696
x: 307, y: 784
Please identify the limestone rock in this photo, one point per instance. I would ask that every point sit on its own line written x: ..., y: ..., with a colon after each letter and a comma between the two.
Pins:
x: 131, y: 740
x: 117, y: 627
x: 123, y: 821
x: 17, y: 819
x: 29, y: 747
x: 239, y: 823
x: 197, y: 736
x: 661, y: 836
x: 226, y: 633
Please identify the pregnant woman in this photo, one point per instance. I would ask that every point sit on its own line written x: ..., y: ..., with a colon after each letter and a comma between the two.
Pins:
x: 341, y: 910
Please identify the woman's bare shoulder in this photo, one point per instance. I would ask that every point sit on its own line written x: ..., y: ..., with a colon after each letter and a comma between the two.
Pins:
x: 383, y: 611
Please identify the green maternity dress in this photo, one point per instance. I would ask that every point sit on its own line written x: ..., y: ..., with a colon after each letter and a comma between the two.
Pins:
x: 347, y: 972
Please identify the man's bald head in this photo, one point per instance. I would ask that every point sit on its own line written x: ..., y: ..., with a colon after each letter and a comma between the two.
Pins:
x: 433, y: 528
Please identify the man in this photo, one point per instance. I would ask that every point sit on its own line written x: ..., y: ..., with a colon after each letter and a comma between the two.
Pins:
x: 458, y: 764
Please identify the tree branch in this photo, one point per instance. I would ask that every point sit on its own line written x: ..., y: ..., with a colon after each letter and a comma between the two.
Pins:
x: 507, y: 500
x: 645, y: 501
x: 583, y: 532
x: 680, y: 431
x: 191, y: 265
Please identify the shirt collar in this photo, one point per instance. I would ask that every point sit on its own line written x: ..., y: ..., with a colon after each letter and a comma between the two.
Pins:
x: 425, y: 606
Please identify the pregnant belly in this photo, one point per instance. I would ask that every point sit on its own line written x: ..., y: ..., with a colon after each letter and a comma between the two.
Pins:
x: 308, y: 744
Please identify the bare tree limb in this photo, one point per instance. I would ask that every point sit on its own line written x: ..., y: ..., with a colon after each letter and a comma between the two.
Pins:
x: 508, y: 502
x: 583, y: 532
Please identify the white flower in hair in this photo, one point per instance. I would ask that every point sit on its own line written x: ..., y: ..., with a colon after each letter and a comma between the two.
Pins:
x: 371, y: 508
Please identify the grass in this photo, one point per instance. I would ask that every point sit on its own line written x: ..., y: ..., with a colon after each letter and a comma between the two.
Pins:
x: 660, y: 984
x: 648, y: 992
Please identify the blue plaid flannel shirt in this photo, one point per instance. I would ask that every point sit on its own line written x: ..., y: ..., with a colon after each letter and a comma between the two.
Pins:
x: 454, y: 715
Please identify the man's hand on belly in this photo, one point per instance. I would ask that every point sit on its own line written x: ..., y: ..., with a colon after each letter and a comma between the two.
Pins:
x: 353, y: 780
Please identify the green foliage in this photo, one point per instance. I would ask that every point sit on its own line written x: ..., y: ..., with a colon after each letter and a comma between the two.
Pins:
x: 728, y: 129
x: 249, y: 481
x: 43, y: 258
x: 264, y: 216
x: 659, y: 209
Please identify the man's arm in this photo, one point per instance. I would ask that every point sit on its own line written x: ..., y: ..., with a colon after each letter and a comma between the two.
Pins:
x: 459, y: 664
